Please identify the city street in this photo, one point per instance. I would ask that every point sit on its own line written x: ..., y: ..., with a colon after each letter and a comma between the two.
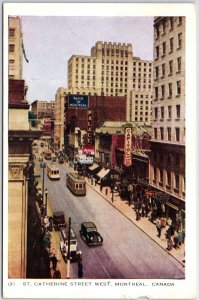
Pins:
x: 126, y: 252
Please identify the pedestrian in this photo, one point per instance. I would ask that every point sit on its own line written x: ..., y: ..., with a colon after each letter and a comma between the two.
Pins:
x: 101, y: 187
x: 169, y: 243
x: 57, y: 274
x: 176, y: 240
x: 159, y: 227
x: 80, y: 269
x: 95, y: 181
x: 54, y: 262
x: 143, y: 209
x: 106, y: 191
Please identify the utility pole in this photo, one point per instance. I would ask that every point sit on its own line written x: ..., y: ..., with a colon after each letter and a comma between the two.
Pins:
x: 68, y: 254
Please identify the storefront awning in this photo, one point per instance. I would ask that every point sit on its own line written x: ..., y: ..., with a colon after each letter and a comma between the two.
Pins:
x: 103, y: 173
x: 93, y: 167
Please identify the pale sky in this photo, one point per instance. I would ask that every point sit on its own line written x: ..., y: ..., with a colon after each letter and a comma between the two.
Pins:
x: 50, y: 42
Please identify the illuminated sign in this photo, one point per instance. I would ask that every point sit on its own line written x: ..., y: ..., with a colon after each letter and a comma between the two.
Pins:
x: 78, y: 101
x: 127, y: 147
x: 89, y: 127
x: 88, y: 150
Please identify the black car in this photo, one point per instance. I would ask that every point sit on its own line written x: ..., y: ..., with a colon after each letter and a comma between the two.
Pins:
x: 90, y: 235
x: 59, y: 220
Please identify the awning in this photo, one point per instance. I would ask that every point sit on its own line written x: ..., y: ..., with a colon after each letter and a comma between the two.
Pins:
x: 93, y: 167
x: 103, y: 173
x: 172, y: 205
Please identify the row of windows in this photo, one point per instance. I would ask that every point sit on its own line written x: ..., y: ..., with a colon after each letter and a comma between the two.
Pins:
x: 140, y: 63
x: 141, y: 96
x: 114, y: 79
x: 139, y: 75
x: 169, y: 22
x: 161, y: 90
x: 158, y: 176
x: 114, y: 62
x: 113, y: 52
x: 142, y: 70
x: 141, y: 86
x: 169, y: 112
x: 143, y: 80
x: 141, y: 119
x: 162, y: 68
x: 141, y: 113
x: 82, y: 59
x: 168, y: 132
x: 171, y: 46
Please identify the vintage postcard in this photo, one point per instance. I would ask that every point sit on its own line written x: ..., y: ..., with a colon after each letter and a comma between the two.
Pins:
x: 99, y: 150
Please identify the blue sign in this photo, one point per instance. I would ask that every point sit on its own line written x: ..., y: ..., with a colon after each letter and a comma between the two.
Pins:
x: 78, y: 101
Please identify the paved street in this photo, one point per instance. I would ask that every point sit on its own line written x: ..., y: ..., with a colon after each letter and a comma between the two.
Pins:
x: 127, y: 252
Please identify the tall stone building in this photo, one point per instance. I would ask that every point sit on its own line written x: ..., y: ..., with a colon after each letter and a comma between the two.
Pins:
x: 142, y: 93
x: 43, y: 108
x: 59, y: 123
x: 167, y: 163
x: 109, y: 70
x: 15, y: 54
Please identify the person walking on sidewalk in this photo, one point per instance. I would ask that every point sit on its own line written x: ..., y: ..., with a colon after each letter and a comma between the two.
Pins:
x: 80, y: 269
x: 169, y: 243
x: 54, y: 262
x: 159, y: 226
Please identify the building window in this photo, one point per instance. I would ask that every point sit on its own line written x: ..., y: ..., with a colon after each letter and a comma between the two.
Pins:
x: 176, y: 176
x: 170, y: 67
x: 156, y: 72
x: 161, y: 176
x: 162, y: 133
x: 11, y: 48
x: 155, y: 133
x: 178, y: 87
x: 164, y: 26
x: 157, y: 52
x: 170, y: 89
x: 162, y: 112
x: 156, y: 92
x: 171, y: 23
x: 154, y: 174
x: 178, y: 111
x: 168, y: 179
x: 179, y: 40
x: 169, y: 133
x: 171, y: 44
x: 177, y: 133
x: 163, y: 69
x: 164, y: 48
x: 179, y: 20
x: 163, y: 90
x: 179, y: 63
x: 169, y: 112
x: 157, y: 31
x: 11, y: 32
x: 11, y: 61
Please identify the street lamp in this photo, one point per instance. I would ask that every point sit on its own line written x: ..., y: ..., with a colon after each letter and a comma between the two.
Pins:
x: 46, y: 204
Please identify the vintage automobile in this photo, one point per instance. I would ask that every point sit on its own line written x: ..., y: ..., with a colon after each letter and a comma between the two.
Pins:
x: 90, y: 235
x: 59, y: 220
x: 75, y: 254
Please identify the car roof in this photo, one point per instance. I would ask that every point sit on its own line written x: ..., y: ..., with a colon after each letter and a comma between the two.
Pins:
x: 58, y: 213
x: 88, y: 224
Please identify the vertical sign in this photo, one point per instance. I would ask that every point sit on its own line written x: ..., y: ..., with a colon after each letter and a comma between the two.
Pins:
x: 127, y: 147
x: 89, y: 127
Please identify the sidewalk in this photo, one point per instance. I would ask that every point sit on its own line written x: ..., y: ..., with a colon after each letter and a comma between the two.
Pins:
x: 61, y: 265
x: 144, y: 224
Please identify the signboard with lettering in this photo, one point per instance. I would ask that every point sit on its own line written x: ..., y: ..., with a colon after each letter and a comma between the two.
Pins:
x: 127, y: 147
x: 78, y: 101
x: 89, y: 127
x: 83, y: 159
x: 88, y: 150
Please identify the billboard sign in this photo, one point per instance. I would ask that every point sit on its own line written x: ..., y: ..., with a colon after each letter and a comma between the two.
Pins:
x: 127, y: 147
x: 78, y: 101
x: 88, y: 150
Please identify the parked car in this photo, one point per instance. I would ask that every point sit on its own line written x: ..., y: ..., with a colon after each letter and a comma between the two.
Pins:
x: 90, y: 234
x: 59, y: 220
x: 75, y: 254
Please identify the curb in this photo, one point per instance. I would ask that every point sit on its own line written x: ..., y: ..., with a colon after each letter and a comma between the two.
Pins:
x: 135, y: 224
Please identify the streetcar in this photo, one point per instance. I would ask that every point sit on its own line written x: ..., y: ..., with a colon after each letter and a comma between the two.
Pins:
x: 53, y: 172
x: 76, y: 184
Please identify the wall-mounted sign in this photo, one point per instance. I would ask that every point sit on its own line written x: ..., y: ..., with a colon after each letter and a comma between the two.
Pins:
x: 83, y: 159
x: 89, y: 127
x: 88, y: 150
x: 127, y: 147
x: 78, y: 101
